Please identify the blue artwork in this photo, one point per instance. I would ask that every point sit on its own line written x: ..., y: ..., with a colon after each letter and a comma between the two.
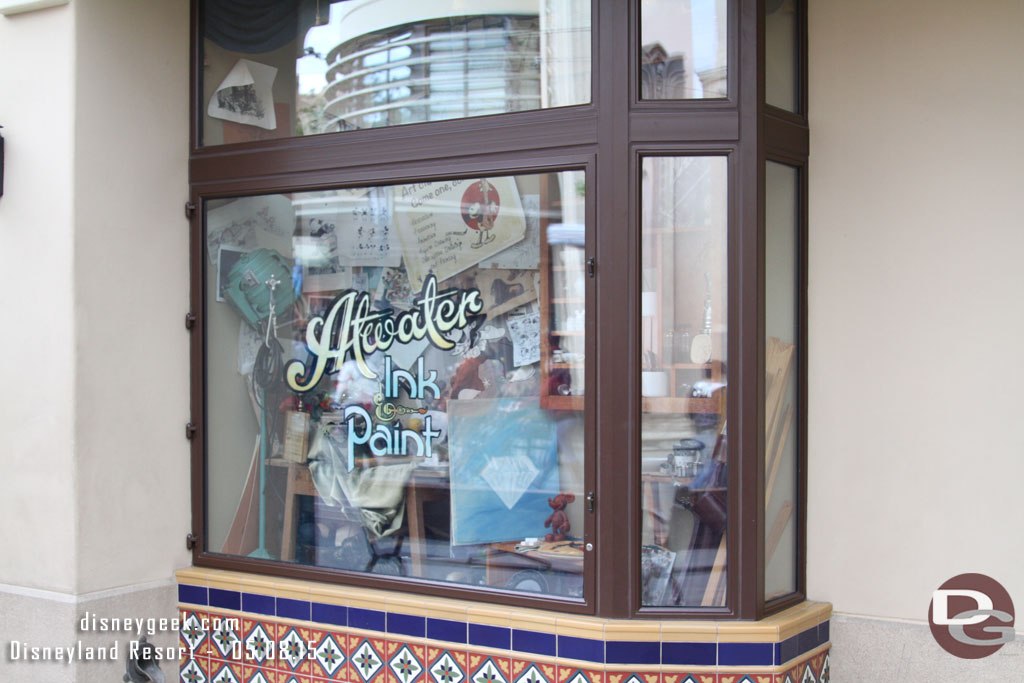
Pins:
x: 504, y: 466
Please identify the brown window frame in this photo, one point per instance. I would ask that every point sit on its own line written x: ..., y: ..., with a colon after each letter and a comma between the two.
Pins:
x: 607, y: 138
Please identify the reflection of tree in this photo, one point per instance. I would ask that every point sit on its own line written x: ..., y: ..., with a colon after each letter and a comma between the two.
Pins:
x: 662, y: 76
x: 309, y: 114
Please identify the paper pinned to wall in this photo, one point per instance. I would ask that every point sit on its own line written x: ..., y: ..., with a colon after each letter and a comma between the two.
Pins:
x: 361, y: 221
x: 524, y: 255
x: 238, y: 223
x: 524, y: 330
x: 245, y: 95
x: 448, y: 226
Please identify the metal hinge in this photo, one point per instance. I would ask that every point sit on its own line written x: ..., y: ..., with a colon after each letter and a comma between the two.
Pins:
x: 591, y: 266
x: 190, y: 321
x: 591, y: 501
x: 190, y: 541
x: 190, y: 431
x: 190, y: 210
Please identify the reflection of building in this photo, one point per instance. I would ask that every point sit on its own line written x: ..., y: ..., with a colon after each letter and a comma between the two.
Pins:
x: 440, y: 69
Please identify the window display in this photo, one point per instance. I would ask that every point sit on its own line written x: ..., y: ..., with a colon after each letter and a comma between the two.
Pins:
x: 394, y: 379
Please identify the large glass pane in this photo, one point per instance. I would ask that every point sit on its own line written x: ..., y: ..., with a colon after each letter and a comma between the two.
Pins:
x: 683, y: 48
x: 781, y: 64
x: 277, y: 69
x: 782, y: 329
x: 683, y: 380
x: 394, y: 380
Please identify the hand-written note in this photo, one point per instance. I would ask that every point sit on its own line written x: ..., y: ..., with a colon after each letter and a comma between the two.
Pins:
x: 446, y: 227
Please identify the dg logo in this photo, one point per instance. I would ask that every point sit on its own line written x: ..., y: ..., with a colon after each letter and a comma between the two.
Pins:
x: 971, y: 616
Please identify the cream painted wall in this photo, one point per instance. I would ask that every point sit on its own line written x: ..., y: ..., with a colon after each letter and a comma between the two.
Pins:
x: 916, y: 314
x: 36, y: 239
x: 131, y: 291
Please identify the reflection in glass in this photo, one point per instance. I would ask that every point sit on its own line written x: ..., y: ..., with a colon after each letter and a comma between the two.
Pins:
x: 683, y: 49
x: 401, y: 367
x: 683, y: 380
x: 781, y: 61
x: 781, y: 372
x: 368, y: 63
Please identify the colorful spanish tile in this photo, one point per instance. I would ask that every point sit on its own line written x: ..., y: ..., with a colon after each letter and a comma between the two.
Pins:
x: 405, y: 662
x: 489, y: 669
x: 367, y: 659
x: 688, y: 678
x: 193, y: 670
x: 329, y: 655
x: 524, y: 671
x: 572, y: 674
x: 446, y: 666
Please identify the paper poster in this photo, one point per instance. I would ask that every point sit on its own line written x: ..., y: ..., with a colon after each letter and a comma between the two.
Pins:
x: 504, y: 466
x: 361, y: 223
x: 524, y: 330
x: 394, y: 288
x: 501, y: 290
x: 446, y: 227
x: 227, y: 257
x: 236, y: 224
x: 525, y: 254
x: 245, y: 95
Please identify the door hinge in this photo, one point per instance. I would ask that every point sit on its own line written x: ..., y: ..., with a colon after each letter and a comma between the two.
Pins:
x: 190, y: 321
x: 190, y: 210
x: 190, y: 541
x: 591, y: 501
x: 190, y: 431
x: 591, y: 266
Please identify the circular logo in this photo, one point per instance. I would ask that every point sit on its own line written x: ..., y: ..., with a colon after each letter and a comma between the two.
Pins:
x: 480, y: 205
x: 971, y: 616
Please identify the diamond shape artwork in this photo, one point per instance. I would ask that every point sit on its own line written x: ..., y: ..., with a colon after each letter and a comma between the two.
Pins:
x: 192, y: 673
x: 405, y: 665
x: 808, y: 676
x: 366, y: 661
x: 532, y: 675
x: 192, y: 632
x: 293, y: 648
x: 446, y: 670
x: 225, y: 675
x: 510, y: 477
x: 225, y: 640
x: 258, y: 644
x: 329, y: 655
x: 488, y: 673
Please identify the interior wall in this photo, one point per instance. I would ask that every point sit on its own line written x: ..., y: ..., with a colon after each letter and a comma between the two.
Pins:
x: 36, y: 406
x: 131, y: 291
x: 915, y: 300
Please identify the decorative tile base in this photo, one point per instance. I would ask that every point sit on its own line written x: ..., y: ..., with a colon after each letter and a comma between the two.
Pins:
x: 242, y: 629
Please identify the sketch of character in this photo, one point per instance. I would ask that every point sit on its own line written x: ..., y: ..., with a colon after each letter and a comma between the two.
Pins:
x: 241, y: 99
x: 480, y: 206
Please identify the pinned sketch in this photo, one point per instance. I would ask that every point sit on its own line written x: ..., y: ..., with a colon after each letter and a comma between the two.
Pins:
x: 524, y: 330
x: 246, y: 95
x: 525, y: 254
x: 504, y: 466
x: 238, y: 223
x: 501, y: 290
x: 360, y: 221
x: 249, y: 343
x: 446, y: 227
x: 394, y: 288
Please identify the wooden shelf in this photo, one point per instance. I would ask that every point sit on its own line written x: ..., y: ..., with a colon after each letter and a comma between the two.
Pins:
x: 678, y: 404
x: 561, y: 402
x: 567, y: 333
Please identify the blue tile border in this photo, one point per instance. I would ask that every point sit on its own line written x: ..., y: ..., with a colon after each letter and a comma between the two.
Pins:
x: 447, y: 629
x: 689, y: 654
x: 225, y: 599
x: 407, y: 625
x: 195, y: 595
x: 483, y: 635
x: 259, y: 604
x: 586, y: 649
x: 534, y: 642
x: 367, y: 619
x: 515, y: 640
x: 632, y: 652
x: 336, y: 615
x: 746, y: 654
x: 294, y: 609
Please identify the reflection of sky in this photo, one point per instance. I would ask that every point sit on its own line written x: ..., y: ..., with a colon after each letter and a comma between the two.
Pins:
x: 312, y: 70
x: 705, y: 34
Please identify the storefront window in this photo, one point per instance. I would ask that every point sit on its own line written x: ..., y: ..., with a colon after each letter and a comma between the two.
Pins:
x: 781, y: 54
x: 782, y: 370
x: 394, y: 379
x: 683, y: 447
x: 290, y: 69
x: 683, y: 49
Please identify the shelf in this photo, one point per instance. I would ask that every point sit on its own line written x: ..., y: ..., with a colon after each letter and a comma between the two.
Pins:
x: 678, y: 404
x: 567, y: 333
x: 561, y: 402
x: 568, y: 300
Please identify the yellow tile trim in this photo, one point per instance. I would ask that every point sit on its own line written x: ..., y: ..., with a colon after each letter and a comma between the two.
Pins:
x: 776, y: 628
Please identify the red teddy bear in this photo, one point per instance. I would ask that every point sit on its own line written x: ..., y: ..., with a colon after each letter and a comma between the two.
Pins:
x: 557, y: 520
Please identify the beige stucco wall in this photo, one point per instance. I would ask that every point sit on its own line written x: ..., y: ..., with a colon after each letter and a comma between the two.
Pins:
x: 37, y: 345
x: 916, y: 321
x: 131, y: 291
